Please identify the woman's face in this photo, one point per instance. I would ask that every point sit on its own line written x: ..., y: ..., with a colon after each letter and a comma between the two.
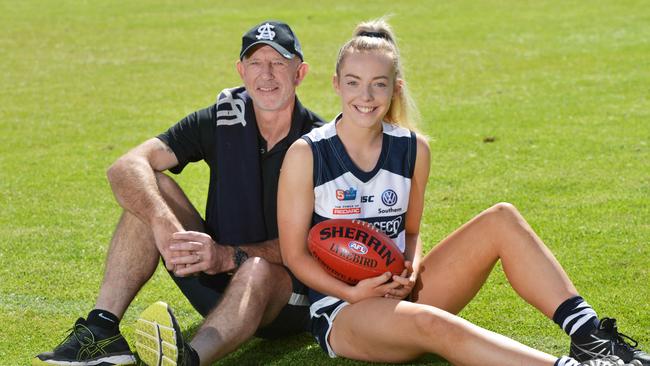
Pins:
x: 366, y: 83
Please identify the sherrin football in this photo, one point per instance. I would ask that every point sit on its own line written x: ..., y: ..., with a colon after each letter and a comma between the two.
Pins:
x: 353, y: 250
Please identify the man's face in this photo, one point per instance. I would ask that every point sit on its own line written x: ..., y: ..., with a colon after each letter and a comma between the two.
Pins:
x: 271, y: 79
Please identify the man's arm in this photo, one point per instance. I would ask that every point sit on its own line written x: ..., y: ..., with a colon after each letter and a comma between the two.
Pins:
x: 133, y: 181
x: 269, y: 250
x: 212, y: 258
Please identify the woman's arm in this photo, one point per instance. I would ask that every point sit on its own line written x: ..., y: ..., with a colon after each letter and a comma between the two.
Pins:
x: 295, y: 209
x: 413, y: 249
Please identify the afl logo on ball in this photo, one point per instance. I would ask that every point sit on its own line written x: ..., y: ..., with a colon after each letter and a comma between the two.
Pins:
x: 357, y: 247
x: 389, y: 197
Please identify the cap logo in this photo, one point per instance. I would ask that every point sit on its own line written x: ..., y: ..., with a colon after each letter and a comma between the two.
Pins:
x: 265, y: 32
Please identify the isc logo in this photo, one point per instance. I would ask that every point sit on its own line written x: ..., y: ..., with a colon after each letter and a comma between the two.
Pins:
x: 367, y: 199
x: 357, y: 247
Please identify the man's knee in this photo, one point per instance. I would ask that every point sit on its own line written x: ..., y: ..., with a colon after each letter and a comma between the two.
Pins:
x: 254, y: 269
x: 261, y: 274
x: 269, y: 286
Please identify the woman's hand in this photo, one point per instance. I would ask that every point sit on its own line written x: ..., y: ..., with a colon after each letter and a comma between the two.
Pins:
x: 379, y: 286
x: 406, y: 283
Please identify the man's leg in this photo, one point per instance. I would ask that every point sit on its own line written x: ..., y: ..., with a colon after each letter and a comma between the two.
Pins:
x: 255, y: 296
x: 133, y: 257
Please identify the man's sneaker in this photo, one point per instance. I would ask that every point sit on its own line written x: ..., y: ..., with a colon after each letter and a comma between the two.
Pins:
x: 606, y: 340
x: 610, y: 361
x: 159, y: 340
x: 88, y: 345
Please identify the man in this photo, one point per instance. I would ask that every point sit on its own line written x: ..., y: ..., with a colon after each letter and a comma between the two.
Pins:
x: 232, y: 257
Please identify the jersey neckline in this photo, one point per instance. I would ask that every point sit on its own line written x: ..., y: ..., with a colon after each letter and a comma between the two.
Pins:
x: 349, y: 164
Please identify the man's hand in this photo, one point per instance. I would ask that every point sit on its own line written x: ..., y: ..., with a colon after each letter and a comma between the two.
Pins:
x: 193, y: 252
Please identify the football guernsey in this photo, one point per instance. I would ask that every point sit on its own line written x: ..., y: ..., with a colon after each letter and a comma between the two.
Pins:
x: 380, y: 197
x: 342, y: 190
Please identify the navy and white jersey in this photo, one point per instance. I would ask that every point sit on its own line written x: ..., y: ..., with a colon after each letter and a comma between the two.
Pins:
x: 380, y: 197
x: 342, y: 190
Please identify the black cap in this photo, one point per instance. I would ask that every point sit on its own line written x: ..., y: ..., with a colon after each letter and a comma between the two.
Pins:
x: 275, y: 34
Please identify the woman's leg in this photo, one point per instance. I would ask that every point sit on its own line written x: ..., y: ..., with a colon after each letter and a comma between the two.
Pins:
x: 384, y: 330
x: 453, y: 272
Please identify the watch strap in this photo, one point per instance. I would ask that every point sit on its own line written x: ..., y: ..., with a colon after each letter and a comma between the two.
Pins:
x: 239, y: 257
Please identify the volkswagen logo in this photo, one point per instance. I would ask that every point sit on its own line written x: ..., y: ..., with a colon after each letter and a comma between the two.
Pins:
x: 389, y: 197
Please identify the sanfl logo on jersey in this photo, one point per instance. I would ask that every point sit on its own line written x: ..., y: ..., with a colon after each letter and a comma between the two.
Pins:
x: 265, y: 32
x: 346, y: 195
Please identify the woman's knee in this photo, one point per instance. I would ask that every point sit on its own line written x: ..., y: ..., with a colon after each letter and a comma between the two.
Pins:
x: 439, y: 328
x: 432, y: 323
x: 503, y: 211
x: 506, y: 208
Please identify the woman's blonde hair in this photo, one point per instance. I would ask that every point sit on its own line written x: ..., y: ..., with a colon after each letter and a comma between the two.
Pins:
x: 378, y: 35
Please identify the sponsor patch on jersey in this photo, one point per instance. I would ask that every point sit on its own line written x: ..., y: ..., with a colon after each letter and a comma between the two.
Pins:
x: 389, y: 210
x: 346, y: 210
x: 391, y: 228
x: 349, y: 194
x: 358, y: 247
x: 389, y: 197
x: 367, y: 199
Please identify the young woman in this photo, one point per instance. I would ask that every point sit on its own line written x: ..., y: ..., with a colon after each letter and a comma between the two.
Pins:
x: 367, y: 165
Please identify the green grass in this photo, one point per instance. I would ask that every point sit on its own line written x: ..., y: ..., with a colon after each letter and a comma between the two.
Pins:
x: 561, y: 87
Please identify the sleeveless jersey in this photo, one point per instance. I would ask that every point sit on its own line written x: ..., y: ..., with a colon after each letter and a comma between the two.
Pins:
x: 342, y: 190
x: 379, y: 197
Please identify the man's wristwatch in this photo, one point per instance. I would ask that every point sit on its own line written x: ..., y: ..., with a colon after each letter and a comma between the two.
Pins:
x: 239, y: 257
